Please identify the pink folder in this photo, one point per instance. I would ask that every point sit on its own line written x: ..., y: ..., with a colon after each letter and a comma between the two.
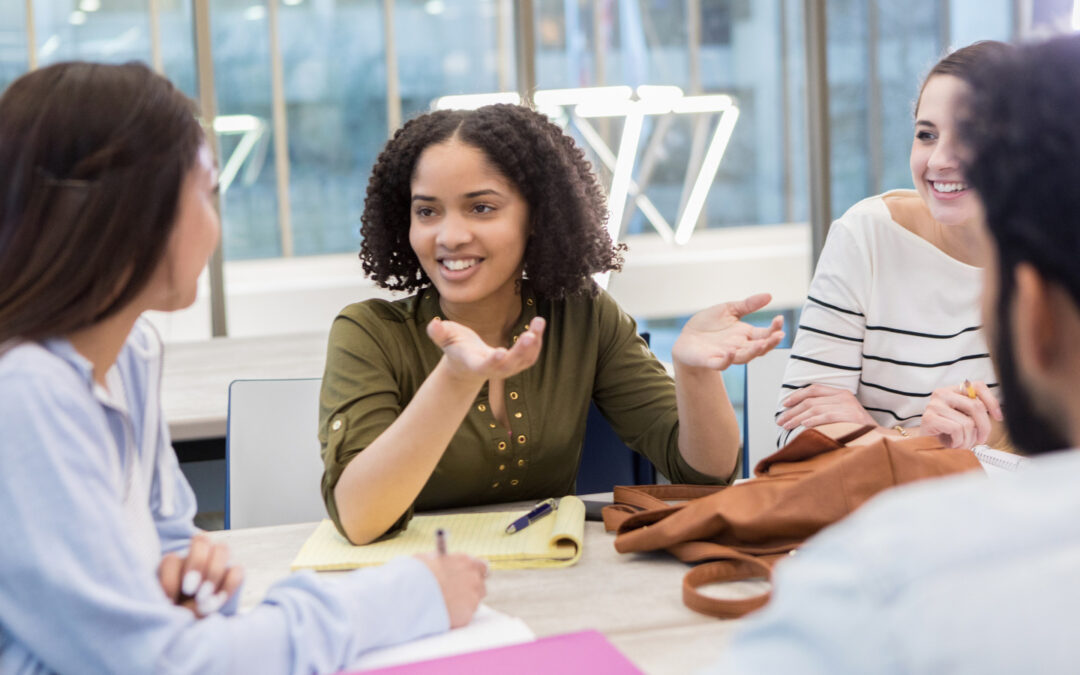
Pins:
x: 584, y: 653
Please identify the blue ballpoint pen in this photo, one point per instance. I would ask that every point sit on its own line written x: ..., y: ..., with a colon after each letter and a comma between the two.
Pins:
x: 536, y: 513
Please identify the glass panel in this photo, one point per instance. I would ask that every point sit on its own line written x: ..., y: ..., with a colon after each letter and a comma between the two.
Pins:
x: 111, y: 31
x: 241, y: 50
x: 177, y: 30
x: 14, y: 60
x: 749, y: 50
x: 445, y: 47
x: 335, y: 93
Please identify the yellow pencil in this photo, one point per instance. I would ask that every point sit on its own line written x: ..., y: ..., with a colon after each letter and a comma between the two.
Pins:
x: 969, y: 389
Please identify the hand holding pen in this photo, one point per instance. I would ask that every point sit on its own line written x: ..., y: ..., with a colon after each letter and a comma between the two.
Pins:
x: 960, y: 415
x: 460, y: 578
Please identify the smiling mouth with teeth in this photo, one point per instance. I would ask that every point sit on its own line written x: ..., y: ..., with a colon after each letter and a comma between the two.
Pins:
x: 942, y: 186
x: 458, y: 265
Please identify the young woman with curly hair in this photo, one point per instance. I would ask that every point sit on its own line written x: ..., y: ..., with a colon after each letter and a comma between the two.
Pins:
x: 476, y: 388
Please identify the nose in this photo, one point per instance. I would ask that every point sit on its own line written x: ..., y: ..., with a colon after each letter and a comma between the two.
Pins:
x: 944, y: 155
x: 454, y: 232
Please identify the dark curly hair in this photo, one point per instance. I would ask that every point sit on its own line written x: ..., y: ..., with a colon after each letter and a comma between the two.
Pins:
x: 568, y: 240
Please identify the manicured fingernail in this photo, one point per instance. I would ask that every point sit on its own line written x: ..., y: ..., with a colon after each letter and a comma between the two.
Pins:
x: 191, y: 582
x: 205, y: 592
x: 212, y: 603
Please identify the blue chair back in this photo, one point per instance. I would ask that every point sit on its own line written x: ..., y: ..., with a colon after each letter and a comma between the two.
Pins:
x: 606, y: 461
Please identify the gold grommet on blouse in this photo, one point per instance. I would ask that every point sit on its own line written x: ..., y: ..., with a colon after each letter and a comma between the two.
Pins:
x: 517, y: 415
x: 491, y: 424
x: 521, y: 462
x: 529, y: 302
x: 513, y: 396
x: 481, y: 407
x: 521, y: 438
x: 336, y: 425
x: 502, y: 467
x: 502, y: 445
x: 515, y: 338
x: 514, y: 482
x: 495, y: 484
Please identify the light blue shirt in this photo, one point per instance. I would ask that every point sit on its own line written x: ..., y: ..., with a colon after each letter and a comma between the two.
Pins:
x: 971, y: 574
x: 79, y: 592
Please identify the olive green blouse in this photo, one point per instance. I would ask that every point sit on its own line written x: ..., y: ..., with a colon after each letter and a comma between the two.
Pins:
x: 379, y: 354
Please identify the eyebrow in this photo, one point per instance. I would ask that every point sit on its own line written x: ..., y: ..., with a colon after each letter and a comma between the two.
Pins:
x: 924, y: 123
x: 467, y: 195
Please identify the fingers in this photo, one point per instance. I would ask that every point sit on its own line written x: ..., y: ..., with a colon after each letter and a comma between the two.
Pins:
x: 953, y: 428
x: 194, y: 565
x: 967, y: 419
x: 811, y: 391
x: 169, y: 572
x: 524, y: 352
x: 993, y: 406
x: 750, y: 305
x: 461, y: 579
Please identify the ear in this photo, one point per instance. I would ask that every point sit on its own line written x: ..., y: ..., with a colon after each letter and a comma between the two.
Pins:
x: 1042, y: 318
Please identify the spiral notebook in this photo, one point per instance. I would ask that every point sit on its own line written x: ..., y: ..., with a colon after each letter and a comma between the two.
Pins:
x: 996, y: 461
x: 552, y: 541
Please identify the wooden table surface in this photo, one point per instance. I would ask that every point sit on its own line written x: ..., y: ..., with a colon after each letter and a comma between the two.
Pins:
x: 635, y: 600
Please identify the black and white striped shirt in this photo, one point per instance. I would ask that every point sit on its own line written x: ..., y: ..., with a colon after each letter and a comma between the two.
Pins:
x: 889, y: 317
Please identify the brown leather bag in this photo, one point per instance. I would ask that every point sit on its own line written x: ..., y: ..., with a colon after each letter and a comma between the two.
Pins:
x: 811, y: 483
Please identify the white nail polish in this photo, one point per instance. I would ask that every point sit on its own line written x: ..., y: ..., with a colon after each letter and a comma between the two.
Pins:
x: 205, y: 592
x: 191, y: 582
x: 212, y: 603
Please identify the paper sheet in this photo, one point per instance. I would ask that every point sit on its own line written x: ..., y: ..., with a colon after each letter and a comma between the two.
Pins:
x: 488, y: 628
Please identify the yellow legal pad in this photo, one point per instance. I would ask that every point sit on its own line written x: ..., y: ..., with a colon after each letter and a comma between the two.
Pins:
x: 552, y: 541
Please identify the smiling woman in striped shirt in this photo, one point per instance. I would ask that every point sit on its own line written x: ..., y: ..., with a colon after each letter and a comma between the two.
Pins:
x: 890, y: 331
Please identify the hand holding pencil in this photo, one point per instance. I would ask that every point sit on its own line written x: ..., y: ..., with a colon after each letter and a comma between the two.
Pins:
x: 960, y: 416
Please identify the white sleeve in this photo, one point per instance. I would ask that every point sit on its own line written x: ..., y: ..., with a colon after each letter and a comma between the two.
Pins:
x: 828, y: 344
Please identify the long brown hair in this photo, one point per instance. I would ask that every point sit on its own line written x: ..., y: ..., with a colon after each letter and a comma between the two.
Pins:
x: 963, y: 63
x: 92, y: 158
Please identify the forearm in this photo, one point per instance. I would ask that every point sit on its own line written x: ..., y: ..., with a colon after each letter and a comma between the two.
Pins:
x: 380, y: 483
x: 708, y: 428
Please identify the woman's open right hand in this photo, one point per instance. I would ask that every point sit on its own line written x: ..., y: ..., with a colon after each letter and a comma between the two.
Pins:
x: 469, y: 357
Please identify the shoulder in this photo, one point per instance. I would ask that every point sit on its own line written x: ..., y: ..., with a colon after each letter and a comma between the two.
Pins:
x: 380, y: 310
x: 43, y: 396
x: 866, y: 220
x: 937, y: 528
x: 30, y: 368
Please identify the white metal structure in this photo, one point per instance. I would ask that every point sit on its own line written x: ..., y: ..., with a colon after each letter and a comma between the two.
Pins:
x: 272, y: 453
x: 764, y: 375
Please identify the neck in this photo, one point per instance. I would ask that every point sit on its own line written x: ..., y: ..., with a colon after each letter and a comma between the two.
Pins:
x: 963, y: 242
x: 492, y: 319
x: 101, y: 343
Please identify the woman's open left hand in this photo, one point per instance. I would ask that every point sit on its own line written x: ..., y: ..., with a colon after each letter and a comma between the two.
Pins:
x: 715, y: 338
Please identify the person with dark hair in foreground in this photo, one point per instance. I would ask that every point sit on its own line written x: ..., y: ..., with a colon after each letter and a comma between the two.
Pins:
x: 476, y: 389
x: 107, y: 210
x: 972, y: 574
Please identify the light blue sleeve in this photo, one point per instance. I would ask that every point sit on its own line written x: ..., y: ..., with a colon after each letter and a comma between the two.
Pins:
x: 824, y: 617
x: 75, y: 598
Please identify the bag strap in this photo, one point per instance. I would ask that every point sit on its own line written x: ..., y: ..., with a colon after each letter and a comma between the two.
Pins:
x: 735, y: 566
x: 631, y: 499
